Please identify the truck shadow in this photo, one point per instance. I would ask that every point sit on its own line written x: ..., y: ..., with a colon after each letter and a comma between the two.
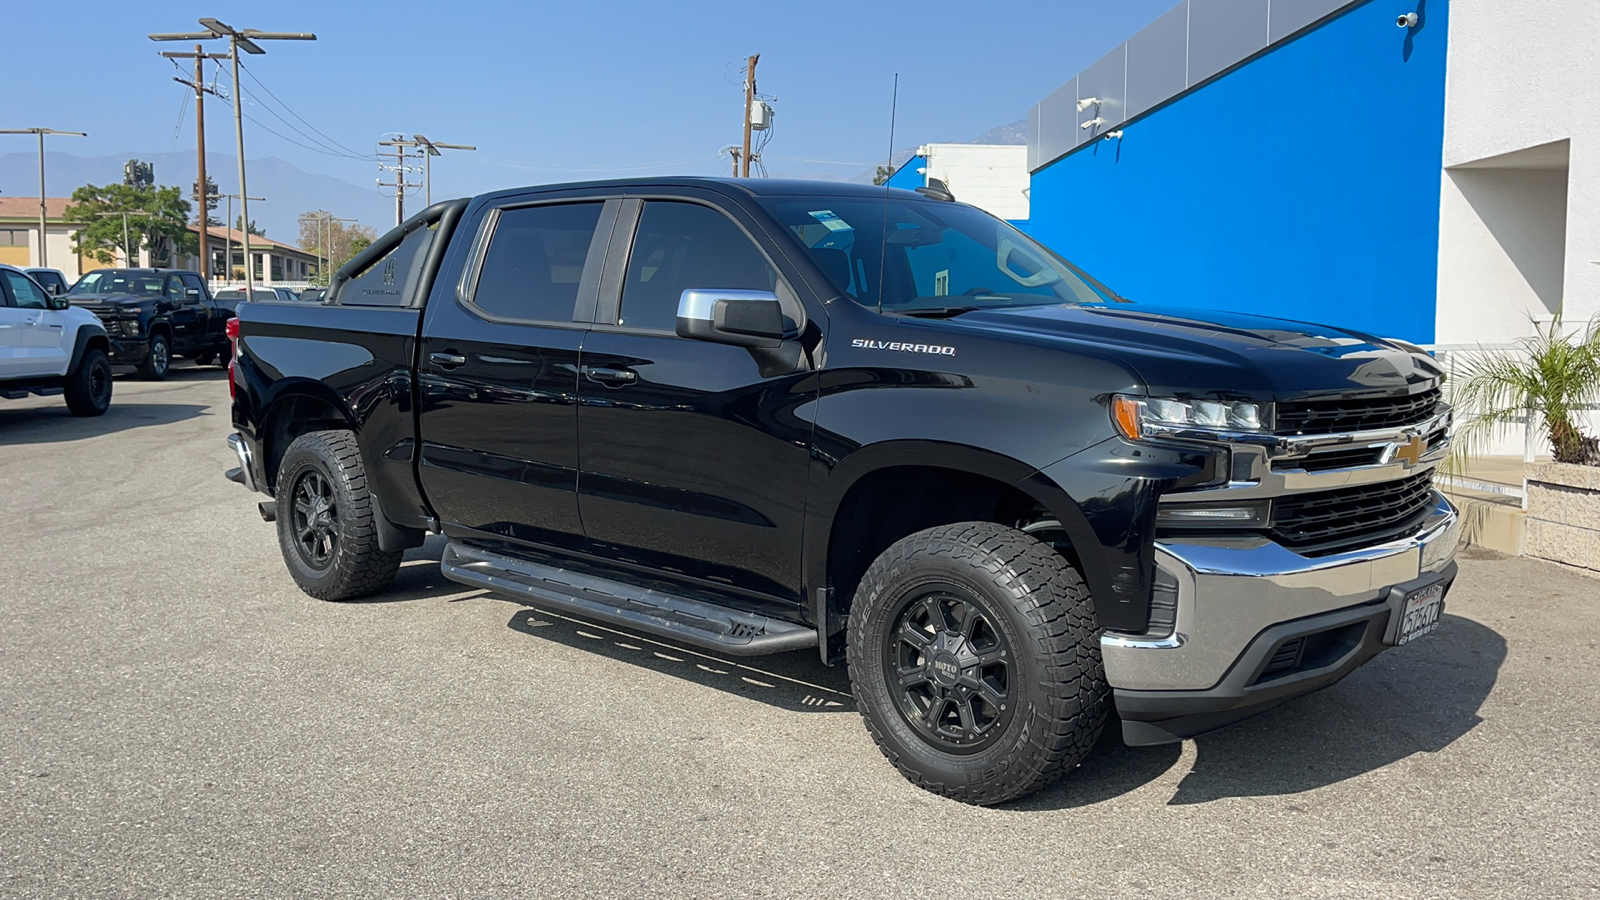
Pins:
x: 1409, y: 700
x: 55, y: 425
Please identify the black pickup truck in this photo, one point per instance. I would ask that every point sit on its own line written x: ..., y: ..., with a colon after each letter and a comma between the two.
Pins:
x: 763, y: 416
x: 154, y: 315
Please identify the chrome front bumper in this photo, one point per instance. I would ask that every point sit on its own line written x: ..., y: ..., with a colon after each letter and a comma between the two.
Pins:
x: 1230, y: 591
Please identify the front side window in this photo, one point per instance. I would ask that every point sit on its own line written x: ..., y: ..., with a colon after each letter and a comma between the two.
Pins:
x: 27, y: 294
x: 927, y: 255
x: 535, y: 261
x: 679, y: 246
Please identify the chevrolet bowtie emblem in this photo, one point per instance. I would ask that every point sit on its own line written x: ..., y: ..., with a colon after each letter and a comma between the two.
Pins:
x: 1409, y: 451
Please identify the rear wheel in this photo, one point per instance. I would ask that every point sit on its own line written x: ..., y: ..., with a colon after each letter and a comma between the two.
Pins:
x: 204, y: 359
x: 975, y: 660
x: 159, y: 360
x: 327, y: 527
x: 88, y: 388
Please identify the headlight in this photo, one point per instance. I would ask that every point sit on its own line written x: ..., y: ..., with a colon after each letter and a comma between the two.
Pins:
x: 130, y: 326
x: 1136, y: 417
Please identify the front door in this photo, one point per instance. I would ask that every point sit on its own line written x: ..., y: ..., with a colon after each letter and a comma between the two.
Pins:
x: 499, y: 376
x: 693, y: 462
x: 35, y: 336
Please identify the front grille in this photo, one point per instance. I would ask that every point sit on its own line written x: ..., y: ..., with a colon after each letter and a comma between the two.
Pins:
x: 1336, y: 416
x: 1324, y: 522
x: 1338, y: 459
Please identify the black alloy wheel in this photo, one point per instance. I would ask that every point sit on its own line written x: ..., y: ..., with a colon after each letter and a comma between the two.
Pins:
x: 952, y: 667
x: 315, y: 519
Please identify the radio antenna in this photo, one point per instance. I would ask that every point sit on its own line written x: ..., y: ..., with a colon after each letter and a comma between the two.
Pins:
x: 883, y: 250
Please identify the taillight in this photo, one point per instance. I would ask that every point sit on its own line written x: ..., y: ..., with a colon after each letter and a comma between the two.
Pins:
x: 232, y: 330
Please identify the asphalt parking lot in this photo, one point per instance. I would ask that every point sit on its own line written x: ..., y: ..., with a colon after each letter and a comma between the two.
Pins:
x: 178, y: 720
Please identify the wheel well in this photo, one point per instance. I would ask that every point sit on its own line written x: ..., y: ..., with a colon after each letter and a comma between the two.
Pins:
x: 98, y: 342
x: 888, y: 504
x: 164, y: 328
x: 290, y: 418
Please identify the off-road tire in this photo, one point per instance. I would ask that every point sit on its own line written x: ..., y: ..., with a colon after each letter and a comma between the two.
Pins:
x: 355, y: 567
x: 1039, y: 604
x: 204, y: 359
x: 158, y: 362
x: 88, y: 387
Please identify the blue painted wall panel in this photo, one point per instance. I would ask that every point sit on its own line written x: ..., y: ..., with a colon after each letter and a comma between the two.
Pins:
x: 1304, y: 184
x: 907, y: 176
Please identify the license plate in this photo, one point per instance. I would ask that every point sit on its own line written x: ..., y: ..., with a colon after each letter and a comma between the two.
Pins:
x: 1420, y: 613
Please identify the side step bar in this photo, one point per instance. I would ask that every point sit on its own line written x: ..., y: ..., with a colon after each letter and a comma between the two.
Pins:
x: 643, y: 609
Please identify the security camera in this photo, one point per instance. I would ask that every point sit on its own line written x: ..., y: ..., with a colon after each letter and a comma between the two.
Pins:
x: 1409, y: 20
x: 1087, y: 102
x: 1092, y: 123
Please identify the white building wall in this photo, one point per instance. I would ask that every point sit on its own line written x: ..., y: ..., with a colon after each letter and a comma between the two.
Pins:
x: 1519, y: 228
x: 992, y: 177
x: 1520, y: 76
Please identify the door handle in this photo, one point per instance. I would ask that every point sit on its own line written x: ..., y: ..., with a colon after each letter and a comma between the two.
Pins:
x: 447, y: 360
x: 610, y: 376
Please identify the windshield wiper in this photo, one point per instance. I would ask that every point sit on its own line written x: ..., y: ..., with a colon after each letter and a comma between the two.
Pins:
x: 939, y: 312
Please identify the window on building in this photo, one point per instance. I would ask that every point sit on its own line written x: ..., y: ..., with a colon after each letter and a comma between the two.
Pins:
x: 13, y: 237
x: 535, y: 261
x: 679, y: 246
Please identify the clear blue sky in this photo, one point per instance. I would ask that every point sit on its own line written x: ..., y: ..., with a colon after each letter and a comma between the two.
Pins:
x: 561, y: 91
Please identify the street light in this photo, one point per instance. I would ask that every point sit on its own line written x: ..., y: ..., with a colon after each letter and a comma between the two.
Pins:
x: 427, y: 163
x: 41, y: 132
x: 227, y: 241
x: 245, y: 38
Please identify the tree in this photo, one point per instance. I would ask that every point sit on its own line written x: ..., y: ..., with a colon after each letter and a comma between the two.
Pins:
x: 320, y: 228
x: 238, y: 225
x: 212, y: 199
x: 157, y: 218
x: 884, y: 173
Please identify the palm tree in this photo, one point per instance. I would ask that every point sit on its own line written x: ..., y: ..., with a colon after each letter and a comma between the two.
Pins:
x: 1554, y: 377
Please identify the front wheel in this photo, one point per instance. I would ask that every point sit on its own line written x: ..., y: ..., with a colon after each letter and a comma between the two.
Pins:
x: 88, y: 387
x: 975, y: 661
x: 159, y: 360
x: 327, y: 528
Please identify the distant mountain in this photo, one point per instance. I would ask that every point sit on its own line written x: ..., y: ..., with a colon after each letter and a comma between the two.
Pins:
x: 287, y: 189
x: 1015, y: 133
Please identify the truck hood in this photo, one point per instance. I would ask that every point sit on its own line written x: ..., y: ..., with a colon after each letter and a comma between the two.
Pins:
x: 110, y: 302
x: 1199, y: 353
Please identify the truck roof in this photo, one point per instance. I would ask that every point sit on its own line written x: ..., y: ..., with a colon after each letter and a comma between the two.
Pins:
x: 755, y: 187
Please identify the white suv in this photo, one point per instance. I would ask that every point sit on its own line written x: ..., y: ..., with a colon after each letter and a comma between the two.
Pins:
x: 48, y: 347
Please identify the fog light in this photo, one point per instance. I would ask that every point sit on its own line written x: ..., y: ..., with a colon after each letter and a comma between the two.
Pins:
x: 1198, y: 516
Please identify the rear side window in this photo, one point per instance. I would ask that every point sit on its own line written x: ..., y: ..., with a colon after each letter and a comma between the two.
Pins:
x: 679, y: 246
x: 392, y: 279
x: 535, y: 261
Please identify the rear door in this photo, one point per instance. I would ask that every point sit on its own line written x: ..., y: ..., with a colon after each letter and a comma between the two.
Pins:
x: 694, y: 459
x: 498, y: 372
x: 214, y: 332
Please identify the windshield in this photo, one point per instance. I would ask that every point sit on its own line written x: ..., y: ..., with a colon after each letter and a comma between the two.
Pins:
x: 117, y: 281
x: 940, y: 256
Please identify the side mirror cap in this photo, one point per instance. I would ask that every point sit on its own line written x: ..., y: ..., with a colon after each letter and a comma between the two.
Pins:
x: 751, y: 319
x: 58, y: 301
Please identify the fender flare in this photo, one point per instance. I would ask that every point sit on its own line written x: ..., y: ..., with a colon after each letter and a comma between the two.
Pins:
x: 80, y: 343
x: 832, y: 485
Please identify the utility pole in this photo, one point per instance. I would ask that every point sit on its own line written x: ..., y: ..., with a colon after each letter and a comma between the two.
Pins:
x: 749, y: 107
x: 227, y: 237
x: 200, y: 90
x: 127, y: 239
x: 432, y: 149
x: 400, y: 170
x: 245, y: 38
x: 43, y: 216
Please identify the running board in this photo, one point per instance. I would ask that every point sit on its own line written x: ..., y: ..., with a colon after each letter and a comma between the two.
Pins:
x: 677, y: 618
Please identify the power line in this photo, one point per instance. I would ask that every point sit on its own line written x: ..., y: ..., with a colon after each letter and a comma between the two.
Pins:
x: 319, y: 146
x: 329, y: 140
x: 629, y: 168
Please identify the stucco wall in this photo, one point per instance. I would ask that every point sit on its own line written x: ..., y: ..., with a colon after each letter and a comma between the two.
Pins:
x: 1523, y: 75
